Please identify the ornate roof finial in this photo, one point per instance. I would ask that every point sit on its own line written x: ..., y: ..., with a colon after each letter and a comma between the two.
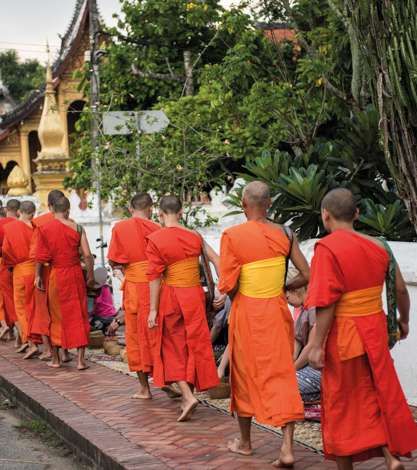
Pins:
x: 49, y: 79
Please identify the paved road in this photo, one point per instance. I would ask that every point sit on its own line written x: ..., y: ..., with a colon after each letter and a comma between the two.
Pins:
x: 25, y: 445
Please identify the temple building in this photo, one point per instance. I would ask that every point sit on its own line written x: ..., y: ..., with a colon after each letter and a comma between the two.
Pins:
x: 35, y: 136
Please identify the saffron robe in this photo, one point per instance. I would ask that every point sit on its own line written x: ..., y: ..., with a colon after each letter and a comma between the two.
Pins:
x: 261, y: 329
x: 7, y: 310
x: 58, y: 244
x: 363, y: 405
x: 16, y: 254
x: 127, y: 247
x: 41, y: 319
x: 183, y: 348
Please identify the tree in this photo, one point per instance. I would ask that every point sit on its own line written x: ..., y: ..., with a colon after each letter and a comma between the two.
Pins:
x: 20, y: 77
x: 387, y: 34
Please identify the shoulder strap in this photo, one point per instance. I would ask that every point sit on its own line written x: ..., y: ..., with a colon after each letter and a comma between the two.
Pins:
x: 290, y: 235
x: 391, y: 294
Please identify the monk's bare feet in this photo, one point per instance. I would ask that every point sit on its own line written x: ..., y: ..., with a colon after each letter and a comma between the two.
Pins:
x: 187, y: 410
x: 285, y: 460
x: 238, y: 447
x: 3, y: 331
x: 395, y: 464
x: 54, y: 365
x: 142, y: 396
x: 45, y: 357
x: 66, y: 356
x: 22, y: 348
x: 171, y: 391
x: 31, y: 352
x: 82, y: 366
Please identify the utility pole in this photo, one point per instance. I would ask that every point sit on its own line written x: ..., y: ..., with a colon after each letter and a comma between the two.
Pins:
x: 95, y: 105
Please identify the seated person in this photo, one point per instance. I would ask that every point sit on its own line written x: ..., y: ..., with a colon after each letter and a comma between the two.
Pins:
x: 219, y: 332
x: 102, y: 310
x: 308, y: 378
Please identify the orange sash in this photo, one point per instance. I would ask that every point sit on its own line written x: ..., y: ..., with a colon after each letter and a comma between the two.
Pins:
x: 27, y: 268
x: 136, y: 272
x: 353, y: 304
x: 184, y: 273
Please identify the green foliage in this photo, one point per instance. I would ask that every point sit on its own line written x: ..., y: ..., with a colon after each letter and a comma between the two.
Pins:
x: 390, y: 221
x: 20, y: 77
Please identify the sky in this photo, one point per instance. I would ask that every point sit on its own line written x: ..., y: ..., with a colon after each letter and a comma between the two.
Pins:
x: 26, y: 25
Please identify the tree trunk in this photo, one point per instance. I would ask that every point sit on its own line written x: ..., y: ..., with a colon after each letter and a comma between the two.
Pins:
x: 188, y: 67
x: 387, y: 35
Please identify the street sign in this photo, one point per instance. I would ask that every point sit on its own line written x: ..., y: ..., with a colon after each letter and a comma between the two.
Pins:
x: 150, y: 122
x: 122, y: 122
x: 119, y: 122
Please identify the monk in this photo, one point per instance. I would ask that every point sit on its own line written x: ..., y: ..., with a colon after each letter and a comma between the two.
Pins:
x: 128, y: 251
x: 261, y: 334
x: 183, y: 353
x: 365, y: 413
x: 16, y: 254
x: 7, y: 310
x: 60, y: 242
x: 41, y: 319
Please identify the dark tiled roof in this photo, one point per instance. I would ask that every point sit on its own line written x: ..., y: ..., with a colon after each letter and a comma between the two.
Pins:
x: 68, y: 45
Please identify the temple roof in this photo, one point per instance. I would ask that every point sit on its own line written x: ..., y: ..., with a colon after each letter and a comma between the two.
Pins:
x: 69, y: 45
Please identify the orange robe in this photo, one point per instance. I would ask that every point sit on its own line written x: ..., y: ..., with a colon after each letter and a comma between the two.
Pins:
x: 16, y: 244
x: 363, y: 405
x: 7, y: 310
x: 261, y: 329
x: 58, y: 244
x: 40, y: 320
x: 127, y: 247
x: 183, y: 349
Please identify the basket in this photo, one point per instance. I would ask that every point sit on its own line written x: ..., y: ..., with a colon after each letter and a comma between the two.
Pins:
x: 220, y: 392
x: 111, y: 348
x: 96, y: 339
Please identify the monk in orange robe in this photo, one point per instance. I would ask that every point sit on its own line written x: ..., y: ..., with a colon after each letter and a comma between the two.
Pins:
x: 365, y: 413
x: 7, y: 310
x: 16, y: 254
x: 60, y: 242
x: 183, y: 353
x: 40, y: 320
x: 128, y: 250
x: 261, y: 333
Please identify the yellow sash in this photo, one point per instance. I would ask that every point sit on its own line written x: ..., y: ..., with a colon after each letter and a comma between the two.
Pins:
x: 136, y: 272
x: 360, y: 303
x: 26, y: 268
x: 263, y: 279
x: 184, y: 273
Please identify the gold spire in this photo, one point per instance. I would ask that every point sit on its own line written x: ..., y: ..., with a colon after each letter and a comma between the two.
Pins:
x: 17, y: 182
x: 51, y: 128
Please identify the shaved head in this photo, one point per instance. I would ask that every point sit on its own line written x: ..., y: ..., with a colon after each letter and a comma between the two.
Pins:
x: 170, y: 204
x: 13, y: 205
x: 62, y: 205
x: 141, y: 201
x: 27, y: 207
x: 53, y: 196
x: 341, y: 204
x: 257, y: 194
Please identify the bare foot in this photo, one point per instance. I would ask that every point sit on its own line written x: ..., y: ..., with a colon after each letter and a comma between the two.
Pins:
x: 142, y: 396
x: 18, y: 342
x: 237, y: 448
x: 22, y: 348
x: 396, y: 465
x: 82, y: 366
x: 32, y: 352
x: 66, y: 356
x: 171, y: 391
x: 45, y: 356
x: 54, y: 365
x: 3, y: 332
x: 187, y: 411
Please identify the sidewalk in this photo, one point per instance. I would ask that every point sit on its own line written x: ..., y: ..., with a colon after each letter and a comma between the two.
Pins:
x: 92, y: 411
